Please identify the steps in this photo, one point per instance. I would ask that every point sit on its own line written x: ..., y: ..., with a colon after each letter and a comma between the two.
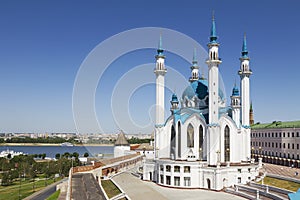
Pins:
x: 257, y: 191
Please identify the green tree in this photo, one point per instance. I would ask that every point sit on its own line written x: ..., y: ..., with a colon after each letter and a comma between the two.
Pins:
x: 6, y: 179
x: 66, y: 155
x: 86, y: 154
x: 57, y: 156
x: 75, y: 155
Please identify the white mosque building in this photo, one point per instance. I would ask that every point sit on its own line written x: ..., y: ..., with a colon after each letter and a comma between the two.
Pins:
x: 204, y: 143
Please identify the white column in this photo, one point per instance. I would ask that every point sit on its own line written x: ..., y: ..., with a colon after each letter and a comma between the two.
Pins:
x: 213, y: 82
x: 245, y: 91
x: 160, y: 72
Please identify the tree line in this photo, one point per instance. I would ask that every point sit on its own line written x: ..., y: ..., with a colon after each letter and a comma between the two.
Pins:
x: 135, y: 140
x: 53, y: 140
x: 26, y: 167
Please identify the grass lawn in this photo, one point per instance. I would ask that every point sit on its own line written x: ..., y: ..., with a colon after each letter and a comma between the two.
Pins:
x: 288, y: 185
x: 24, y: 189
x: 54, y: 196
x: 110, y: 188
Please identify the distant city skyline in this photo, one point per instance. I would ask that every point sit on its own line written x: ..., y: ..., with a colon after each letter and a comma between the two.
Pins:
x: 43, y: 45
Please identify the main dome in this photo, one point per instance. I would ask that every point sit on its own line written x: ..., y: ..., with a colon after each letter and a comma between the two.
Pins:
x: 198, y: 88
x: 196, y: 95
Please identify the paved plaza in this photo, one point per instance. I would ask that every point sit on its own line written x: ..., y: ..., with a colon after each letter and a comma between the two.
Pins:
x: 137, y: 189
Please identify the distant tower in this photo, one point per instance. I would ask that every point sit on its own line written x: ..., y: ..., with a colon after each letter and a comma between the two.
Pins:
x: 194, y: 68
x: 174, y: 103
x: 213, y: 75
x: 122, y: 147
x: 160, y: 72
x: 245, y: 74
x: 251, y: 116
x: 213, y: 62
x: 236, y: 105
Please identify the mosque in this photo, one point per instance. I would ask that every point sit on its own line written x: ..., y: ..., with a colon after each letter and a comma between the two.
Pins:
x: 203, y: 143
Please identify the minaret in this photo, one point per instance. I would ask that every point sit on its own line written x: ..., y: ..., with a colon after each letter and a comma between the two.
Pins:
x: 213, y: 62
x: 213, y: 75
x: 194, y: 68
x: 174, y: 103
x: 236, y: 105
x: 251, y: 116
x: 245, y: 73
x: 160, y: 72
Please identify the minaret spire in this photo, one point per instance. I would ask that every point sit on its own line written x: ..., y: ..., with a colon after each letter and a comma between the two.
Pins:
x: 213, y: 32
x: 195, y: 62
x: 244, y: 47
x: 194, y: 68
x: 251, y: 115
x: 160, y: 50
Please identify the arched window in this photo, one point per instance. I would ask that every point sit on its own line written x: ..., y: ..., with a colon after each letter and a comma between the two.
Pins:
x: 190, y: 136
x: 179, y: 139
x: 201, y: 142
x: 173, y: 143
x: 227, y: 143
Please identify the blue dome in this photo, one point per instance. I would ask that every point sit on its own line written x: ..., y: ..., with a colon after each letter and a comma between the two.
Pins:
x: 235, y: 91
x: 174, y: 98
x: 199, y: 88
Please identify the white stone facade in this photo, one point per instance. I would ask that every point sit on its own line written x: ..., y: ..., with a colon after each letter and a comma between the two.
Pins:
x: 203, y: 144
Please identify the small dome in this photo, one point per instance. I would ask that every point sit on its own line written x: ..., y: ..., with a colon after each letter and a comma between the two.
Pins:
x: 235, y: 91
x: 174, y: 98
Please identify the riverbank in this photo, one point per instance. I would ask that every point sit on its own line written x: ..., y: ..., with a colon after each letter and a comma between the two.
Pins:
x: 51, y: 144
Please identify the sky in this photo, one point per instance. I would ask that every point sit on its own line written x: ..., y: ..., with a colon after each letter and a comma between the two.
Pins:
x: 45, y: 44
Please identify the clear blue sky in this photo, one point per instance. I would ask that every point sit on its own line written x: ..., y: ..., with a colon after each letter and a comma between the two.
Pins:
x: 43, y: 43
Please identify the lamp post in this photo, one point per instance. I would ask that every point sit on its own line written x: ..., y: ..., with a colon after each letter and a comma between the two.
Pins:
x: 34, y: 174
x: 47, y: 171
x: 260, y: 151
x: 20, y: 186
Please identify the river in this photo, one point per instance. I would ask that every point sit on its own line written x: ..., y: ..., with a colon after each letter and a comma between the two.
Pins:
x: 51, y: 151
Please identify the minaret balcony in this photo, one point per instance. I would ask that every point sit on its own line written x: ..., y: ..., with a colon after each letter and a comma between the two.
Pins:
x: 245, y: 73
x: 208, y: 61
x: 160, y: 71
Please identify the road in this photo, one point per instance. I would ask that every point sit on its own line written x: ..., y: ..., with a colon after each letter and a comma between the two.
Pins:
x: 44, y: 193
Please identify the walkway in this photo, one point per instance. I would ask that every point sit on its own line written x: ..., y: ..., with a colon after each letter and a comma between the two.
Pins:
x: 85, y: 187
x: 282, y: 170
x: 137, y: 189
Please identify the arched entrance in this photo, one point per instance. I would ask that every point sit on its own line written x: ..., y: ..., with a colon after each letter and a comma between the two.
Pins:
x: 225, y: 183
x: 208, y: 183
